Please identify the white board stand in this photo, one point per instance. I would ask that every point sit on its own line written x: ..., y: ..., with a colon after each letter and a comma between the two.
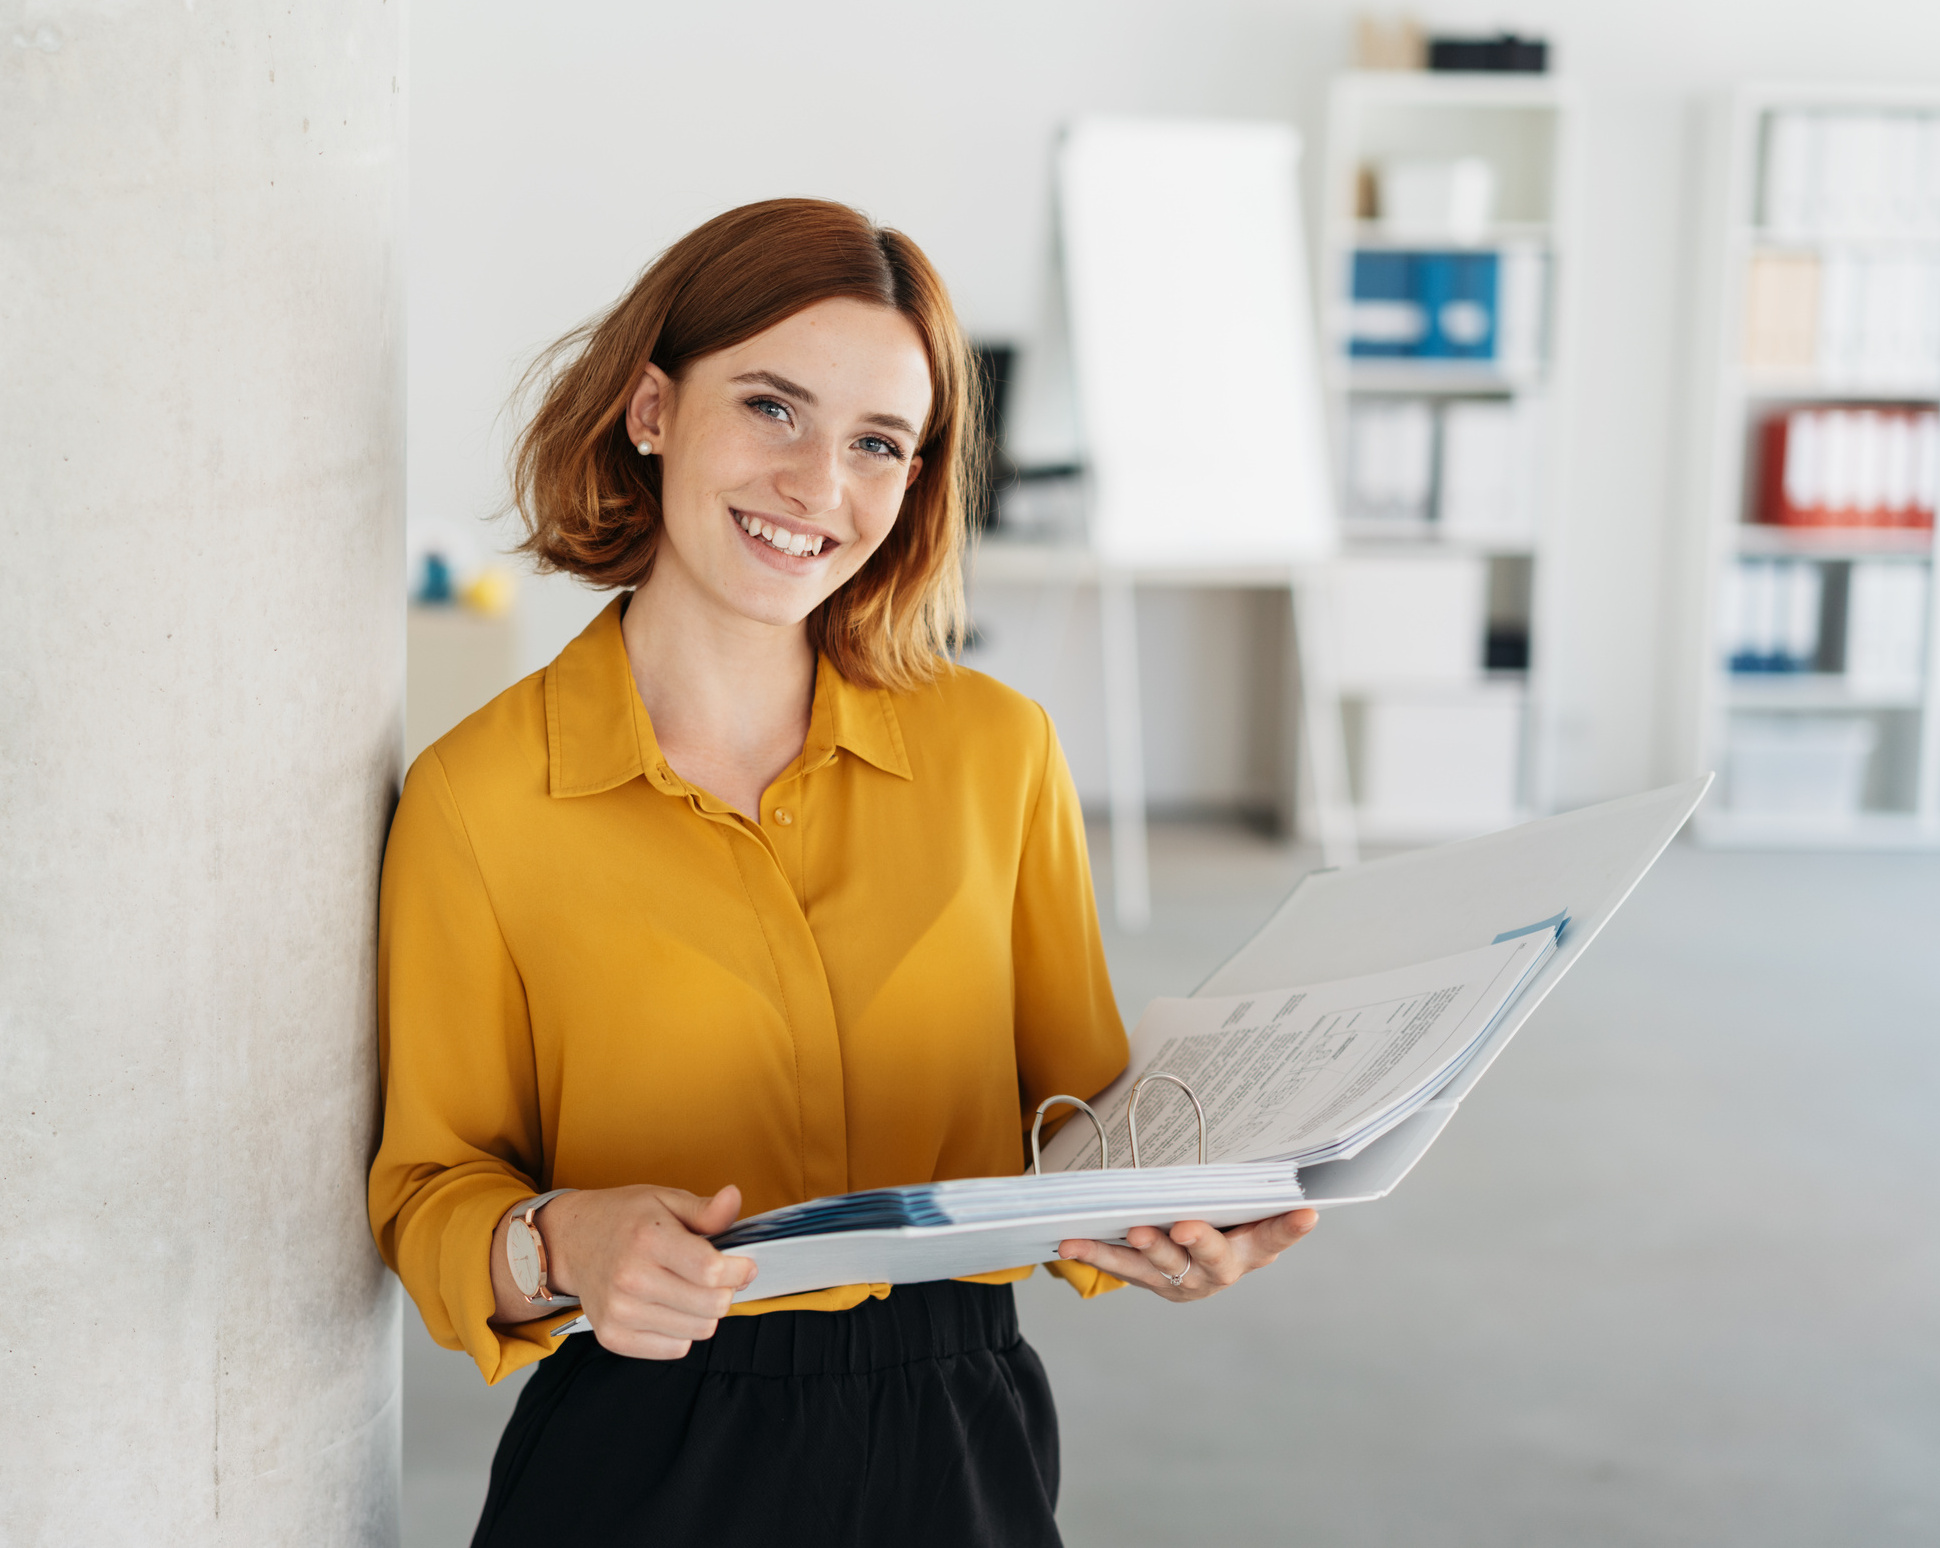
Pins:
x: 1191, y: 330
x: 1131, y: 873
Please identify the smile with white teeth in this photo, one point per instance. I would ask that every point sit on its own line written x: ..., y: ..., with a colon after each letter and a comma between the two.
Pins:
x: 797, y: 544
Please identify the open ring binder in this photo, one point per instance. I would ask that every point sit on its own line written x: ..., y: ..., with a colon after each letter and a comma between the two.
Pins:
x: 1131, y: 1121
x: 1365, y: 1124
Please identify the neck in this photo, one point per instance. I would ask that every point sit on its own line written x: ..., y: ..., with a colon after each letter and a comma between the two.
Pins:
x: 729, y: 696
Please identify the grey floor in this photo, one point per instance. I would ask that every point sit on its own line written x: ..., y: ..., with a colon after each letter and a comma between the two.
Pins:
x: 1669, y: 1278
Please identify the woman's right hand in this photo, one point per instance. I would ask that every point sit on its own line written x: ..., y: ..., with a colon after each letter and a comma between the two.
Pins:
x: 639, y: 1260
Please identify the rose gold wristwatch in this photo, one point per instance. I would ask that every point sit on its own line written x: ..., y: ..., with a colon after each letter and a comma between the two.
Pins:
x: 525, y: 1253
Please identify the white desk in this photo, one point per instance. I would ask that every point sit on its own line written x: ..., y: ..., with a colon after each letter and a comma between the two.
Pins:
x: 1323, y: 806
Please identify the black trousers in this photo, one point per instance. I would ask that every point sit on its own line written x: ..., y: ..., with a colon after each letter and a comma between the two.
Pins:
x: 923, y: 1419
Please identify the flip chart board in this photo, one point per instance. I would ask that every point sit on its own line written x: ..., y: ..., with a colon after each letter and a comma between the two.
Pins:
x: 1193, y: 343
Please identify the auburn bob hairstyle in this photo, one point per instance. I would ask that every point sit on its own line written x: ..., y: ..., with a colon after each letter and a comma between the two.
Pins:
x: 591, y: 504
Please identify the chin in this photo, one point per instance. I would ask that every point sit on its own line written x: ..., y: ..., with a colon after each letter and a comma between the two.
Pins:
x: 779, y: 610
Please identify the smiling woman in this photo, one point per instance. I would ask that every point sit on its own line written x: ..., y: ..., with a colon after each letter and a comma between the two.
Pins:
x: 751, y: 896
x: 595, y: 505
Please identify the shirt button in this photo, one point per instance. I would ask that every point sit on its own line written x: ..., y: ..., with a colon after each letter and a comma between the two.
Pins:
x: 784, y: 816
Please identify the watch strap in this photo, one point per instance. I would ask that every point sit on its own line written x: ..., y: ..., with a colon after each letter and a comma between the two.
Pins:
x: 532, y: 1206
x: 539, y: 1201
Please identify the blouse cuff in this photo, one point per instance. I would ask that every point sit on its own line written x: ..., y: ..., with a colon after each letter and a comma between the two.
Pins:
x: 465, y: 1281
x: 1085, y: 1278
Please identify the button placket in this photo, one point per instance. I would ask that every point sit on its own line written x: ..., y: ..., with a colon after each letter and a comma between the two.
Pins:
x: 783, y: 826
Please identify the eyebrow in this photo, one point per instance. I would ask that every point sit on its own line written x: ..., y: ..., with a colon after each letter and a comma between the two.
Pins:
x: 797, y: 390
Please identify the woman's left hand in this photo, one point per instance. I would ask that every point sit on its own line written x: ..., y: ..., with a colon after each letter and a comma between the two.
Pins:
x: 1203, y: 1261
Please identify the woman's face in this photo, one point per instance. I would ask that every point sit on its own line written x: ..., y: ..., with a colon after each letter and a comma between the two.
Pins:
x: 784, y: 458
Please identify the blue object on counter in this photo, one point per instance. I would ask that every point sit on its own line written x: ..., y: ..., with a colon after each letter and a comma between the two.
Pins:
x: 436, y: 586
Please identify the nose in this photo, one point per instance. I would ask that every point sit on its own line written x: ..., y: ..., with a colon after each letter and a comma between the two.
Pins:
x: 810, y: 477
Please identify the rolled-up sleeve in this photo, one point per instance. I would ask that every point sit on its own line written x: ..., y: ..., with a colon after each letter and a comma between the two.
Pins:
x: 461, y: 1129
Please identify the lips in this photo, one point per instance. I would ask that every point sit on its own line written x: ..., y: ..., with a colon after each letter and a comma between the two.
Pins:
x: 796, y: 545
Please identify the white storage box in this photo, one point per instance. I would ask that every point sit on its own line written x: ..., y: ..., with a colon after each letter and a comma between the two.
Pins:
x: 1437, y: 201
x: 1800, y: 765
x: 1433, y: 765
x: 1408, y: 620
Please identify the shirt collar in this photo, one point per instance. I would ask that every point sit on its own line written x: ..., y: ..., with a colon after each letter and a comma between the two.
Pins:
x: 598, y: 734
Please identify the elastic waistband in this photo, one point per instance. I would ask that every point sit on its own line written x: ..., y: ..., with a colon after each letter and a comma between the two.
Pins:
x: 914, y: 1322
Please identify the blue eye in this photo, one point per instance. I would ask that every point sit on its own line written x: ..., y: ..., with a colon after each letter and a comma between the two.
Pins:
x: 878, y: 446
x: 770, y: 408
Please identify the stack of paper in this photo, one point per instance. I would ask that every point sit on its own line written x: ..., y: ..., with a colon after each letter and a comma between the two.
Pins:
x: 978, y: 1225
x: 1306, y: 1075
x: 973, y: 1201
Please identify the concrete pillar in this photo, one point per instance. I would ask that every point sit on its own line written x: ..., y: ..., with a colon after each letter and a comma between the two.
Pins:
x: 201, y: 673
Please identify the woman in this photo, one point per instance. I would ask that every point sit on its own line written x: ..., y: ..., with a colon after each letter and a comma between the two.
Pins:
x: 751, y: 896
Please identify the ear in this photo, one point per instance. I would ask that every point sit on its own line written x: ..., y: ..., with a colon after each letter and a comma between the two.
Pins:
x: 646, y: 411
x: 915, y: 467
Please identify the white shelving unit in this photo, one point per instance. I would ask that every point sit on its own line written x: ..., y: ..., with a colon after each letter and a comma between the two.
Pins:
x: 1723, y: 714
x: 1449, y: 746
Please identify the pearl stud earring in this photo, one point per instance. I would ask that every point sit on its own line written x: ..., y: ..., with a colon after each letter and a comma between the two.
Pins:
x: 645, y: 448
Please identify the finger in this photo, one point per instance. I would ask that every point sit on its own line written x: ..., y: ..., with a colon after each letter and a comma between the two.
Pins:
x: 1271, y: 1237
x: 648, y: 1285
x: 624, y: 1311
x: 662, y: 1238
x: 1164, y: 1254
x: 704, y: 1217
x: 719, y: 1212
x: 1208, y: 1251
x: 1127, y: 1263
x: 709, y: 1217
x: 641, y: 1346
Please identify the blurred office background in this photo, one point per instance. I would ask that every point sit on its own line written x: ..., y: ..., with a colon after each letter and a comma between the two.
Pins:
x: 1659, y: 499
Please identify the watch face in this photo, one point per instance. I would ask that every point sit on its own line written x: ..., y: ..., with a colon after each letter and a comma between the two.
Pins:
x: 522, y: 1254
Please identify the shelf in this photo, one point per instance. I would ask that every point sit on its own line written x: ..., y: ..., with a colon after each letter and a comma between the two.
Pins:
x: 1769, y: 385
x: 1013, y: 562
x: 1358, y: 540
x: 1453, y: 89
x: 1525, y: 128
x: 1374, y: 234
x: 1760, y: 539
x: 1733, y: 395
x: 1727, y: 829
x: 1428, y: 376
x: 1001, y: 562
x: 1782, y: 691
x: 1484, y: 687
x: 1766, y: 239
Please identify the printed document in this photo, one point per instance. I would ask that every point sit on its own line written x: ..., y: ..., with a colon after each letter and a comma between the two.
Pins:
x: 1302, y: 1074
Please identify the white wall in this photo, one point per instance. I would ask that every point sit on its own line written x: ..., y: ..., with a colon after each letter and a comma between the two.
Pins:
x: 201, y: 674
x: 556, y: 151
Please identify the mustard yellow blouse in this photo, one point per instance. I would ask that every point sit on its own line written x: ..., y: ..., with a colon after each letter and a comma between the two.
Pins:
x: 593, y: 973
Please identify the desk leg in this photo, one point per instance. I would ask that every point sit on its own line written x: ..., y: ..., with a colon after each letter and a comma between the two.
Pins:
x: 1329, y: 813
x: 1124, y: 752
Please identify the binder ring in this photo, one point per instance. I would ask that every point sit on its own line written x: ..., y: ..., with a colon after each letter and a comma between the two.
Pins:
x: 1037, y: 1156
x: 1131, y: 1111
